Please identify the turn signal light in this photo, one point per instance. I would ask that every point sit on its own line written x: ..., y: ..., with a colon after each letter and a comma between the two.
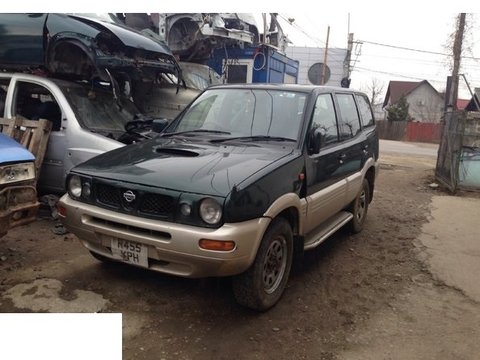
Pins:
x: 216, y: 245
x: 62, y: 211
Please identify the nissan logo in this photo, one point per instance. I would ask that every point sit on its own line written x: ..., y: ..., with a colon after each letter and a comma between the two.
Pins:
x: 129, y: 196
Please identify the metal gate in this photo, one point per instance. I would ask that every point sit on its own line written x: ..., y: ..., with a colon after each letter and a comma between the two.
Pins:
x: 459, y: 147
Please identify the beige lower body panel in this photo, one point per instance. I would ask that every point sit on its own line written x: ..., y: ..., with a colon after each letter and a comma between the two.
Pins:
x: 172, y: 248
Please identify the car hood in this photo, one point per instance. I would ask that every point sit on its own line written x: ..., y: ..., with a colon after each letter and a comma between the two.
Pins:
x: 12, y: 151
x: 128, y: 36
x: 184, y: 165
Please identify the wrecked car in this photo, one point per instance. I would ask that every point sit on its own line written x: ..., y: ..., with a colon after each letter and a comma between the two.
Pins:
x: 18, y: 195
x: 245, y: 179
x: 167, y: 100
x: 193, y: 36
x: 87, y: 120
x: 80, y: 47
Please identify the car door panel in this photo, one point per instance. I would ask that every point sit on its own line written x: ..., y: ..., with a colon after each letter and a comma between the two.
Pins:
x: 326, y: 183
x: 22, y: 39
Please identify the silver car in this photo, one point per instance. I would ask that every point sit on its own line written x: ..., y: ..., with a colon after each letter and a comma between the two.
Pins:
x: 87, y: 120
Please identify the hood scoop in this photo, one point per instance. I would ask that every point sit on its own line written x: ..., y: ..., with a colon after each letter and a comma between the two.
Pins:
x: 175, y: 152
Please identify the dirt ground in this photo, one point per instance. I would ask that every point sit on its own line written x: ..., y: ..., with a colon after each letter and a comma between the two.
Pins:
x: 348, y: 298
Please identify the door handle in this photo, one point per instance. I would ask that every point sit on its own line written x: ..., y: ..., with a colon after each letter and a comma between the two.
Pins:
x: 341, y: 158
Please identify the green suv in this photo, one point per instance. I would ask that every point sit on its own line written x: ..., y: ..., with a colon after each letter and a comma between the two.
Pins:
x: 244, y: 179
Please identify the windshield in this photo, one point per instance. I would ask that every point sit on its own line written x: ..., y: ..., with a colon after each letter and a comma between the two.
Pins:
x: 97, y: 109
x: 245, y: 112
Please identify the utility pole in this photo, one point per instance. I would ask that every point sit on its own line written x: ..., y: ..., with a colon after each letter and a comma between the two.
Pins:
x: 346, y: 63
x: 324, y: 69
x: 457, y: 53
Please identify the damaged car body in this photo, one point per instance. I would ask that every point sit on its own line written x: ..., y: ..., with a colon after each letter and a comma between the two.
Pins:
x: 18, y: 195
x: 87, y: 120
x: 193, y: 36
x: 79, y: 47
x: 100, y: 83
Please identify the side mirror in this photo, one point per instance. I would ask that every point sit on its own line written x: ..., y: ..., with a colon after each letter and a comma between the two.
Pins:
x: 314, y: 141
x: 158, y: 125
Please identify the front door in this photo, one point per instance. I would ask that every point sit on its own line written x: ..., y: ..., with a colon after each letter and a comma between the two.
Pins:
x: 325, y: 180
x: 34, y: 101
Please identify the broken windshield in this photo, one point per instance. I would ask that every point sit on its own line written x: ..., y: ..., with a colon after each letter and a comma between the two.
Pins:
x: 98, y: 110
x: 245, y: 112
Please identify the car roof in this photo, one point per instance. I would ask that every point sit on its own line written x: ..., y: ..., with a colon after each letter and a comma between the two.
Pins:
x: 62, y: 83
x: 286, y: 87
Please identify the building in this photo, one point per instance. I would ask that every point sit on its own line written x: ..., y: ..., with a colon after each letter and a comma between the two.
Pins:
x: 425, y: 102
x: 311, y: 61
x: 260, y: 64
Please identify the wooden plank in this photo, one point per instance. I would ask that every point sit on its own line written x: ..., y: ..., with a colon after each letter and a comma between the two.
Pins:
x: 33, y: 134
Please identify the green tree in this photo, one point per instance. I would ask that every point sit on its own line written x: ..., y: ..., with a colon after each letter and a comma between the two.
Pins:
x: 399, y: 111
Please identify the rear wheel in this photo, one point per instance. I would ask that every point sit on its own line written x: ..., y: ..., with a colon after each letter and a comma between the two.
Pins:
x: 359, y: 208
x: 262, y: 285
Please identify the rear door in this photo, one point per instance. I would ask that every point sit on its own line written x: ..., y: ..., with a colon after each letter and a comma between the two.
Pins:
x: 354, y: 141
x: 350, y: 134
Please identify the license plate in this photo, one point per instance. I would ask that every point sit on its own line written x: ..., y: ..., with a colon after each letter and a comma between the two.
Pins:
x: 130, y: 252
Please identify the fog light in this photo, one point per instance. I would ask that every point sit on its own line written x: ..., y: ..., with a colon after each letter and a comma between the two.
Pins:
x: 216, y: 245
x: 185, y: 209
x: 86, y: 191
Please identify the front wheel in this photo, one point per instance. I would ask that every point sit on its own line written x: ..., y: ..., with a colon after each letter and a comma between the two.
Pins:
x: 262, y: 285
x: 359, y: 208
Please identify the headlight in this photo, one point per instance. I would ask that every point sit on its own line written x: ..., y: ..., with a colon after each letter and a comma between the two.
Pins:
x: 75, y: 186
x: 210, y: 211
x: 16, y: 173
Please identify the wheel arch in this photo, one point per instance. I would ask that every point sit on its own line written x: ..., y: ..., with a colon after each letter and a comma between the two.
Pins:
x: 288, y: 206
x: 62, y: 46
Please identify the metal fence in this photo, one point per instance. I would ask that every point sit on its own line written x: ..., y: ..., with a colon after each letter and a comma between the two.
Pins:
x: 458, y: 161
x: 409, y: 131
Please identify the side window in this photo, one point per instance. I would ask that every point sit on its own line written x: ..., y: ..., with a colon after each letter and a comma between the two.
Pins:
x: 350, y: 124
x: 34, y: 102
x: 325, y: 120
x: 365, y: 111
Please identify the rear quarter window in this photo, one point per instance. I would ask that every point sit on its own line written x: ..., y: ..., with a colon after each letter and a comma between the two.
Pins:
x: 365, y: 111
x: 349, y: 125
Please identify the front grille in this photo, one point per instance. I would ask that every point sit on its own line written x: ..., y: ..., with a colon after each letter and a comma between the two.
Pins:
x: 157, y: 204
x: 107, y: 195
x: 134, y: 201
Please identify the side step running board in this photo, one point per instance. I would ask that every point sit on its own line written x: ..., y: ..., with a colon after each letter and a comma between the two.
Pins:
x: 322, y: 232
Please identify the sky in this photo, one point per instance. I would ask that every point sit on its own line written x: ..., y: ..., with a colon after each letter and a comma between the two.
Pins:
x: 424, y: 26
x: 379, y: 39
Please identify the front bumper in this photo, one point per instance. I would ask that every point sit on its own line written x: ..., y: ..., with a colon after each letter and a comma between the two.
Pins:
x: 172, y: 248
x: 18, y: 206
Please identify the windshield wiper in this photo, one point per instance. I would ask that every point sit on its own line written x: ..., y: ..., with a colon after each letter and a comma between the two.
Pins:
x: 254, y: 138
x: 196, y: 131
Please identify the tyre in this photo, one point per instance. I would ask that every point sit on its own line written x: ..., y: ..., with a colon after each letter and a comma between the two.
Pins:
x: 359, y: 208
x: 262, y: 285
